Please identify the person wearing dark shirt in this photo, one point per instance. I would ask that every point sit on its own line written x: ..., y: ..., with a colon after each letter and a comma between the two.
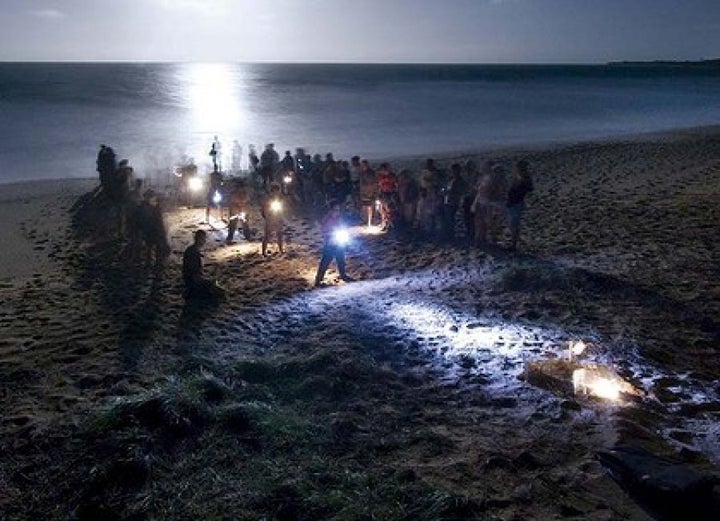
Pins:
x: 214, y: 194
x: 452, y: 197
x: 196, y: 285
x: 335, y: 239
x: 520, y: 186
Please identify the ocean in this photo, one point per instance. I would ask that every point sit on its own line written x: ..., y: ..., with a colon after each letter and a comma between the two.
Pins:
x: 54, y: 115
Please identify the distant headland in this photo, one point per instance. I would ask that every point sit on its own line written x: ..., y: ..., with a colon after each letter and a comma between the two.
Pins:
x: 669, y: 63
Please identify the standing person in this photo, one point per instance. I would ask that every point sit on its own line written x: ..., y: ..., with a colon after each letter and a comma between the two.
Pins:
x: 520, y: 186
x: 408, y: 195
x: 214, y: 194
x: 253, y: 159
x: 218, y: 148
x: 355, y: 173
x: 269, y: 160
x: 481, y: 204
x: 99, y: 165
x: 272, y: 210
x: 196, y: 285
x: 287, y: 173
x: 368, y: 191
x: 426, y: 212
x: 470, y: 174
x: 302, y: 170
x: 335, y: 239
x: 388, y: 195
x: 106, y: 166
x: 238, y: 208
x: 213, y: 154
x: 236, y: 157
x: 433, y: 174
x: 119, y: 195
x: 154, y: 234
x: 339, y: 188
x: 452, y: 195
x: 498, y: 191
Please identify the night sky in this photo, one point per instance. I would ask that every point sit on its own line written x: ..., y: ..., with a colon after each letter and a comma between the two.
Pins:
x: 485, y: 31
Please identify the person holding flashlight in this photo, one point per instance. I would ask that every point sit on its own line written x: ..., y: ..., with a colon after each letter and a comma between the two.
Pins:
x: 335, y: 240
x: 273, y: 209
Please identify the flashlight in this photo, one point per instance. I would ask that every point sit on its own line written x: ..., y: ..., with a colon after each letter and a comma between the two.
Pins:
x: 377, y: 204
x: 276, y: 206
x: 195, y: 184
x: 287, y: 179
x: 341, y: 236
x: 217, y: 197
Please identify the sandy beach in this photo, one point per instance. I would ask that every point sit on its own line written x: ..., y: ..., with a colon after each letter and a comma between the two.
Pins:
x: 403, y: 395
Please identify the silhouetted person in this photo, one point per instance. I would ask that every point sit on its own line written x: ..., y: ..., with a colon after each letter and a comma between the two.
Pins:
x: 238, y: 208
x: 216, y: 154
x: 269, y: 160
x: 196, y: 285
x: 106, y: 166
x: 214, y: 194
x: 452, y: 196
x: 236, y: 157
x: 273, y: 209
x: 335, y: 239
x: 154, y: 235
x: 520, y: 186
x: 118, y: 195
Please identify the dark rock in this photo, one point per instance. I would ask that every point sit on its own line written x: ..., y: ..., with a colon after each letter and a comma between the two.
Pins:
x: 667, y: 489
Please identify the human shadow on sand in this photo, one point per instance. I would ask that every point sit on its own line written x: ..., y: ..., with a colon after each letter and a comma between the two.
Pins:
x: 130, y: 295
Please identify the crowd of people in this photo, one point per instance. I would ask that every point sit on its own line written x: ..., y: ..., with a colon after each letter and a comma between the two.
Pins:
x: 433, y: 204
x: 477, y: 204
x: 132, y: 214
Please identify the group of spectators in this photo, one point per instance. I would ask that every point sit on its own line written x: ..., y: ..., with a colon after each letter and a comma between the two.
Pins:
x: 434, y: 204
x: 132, y: 214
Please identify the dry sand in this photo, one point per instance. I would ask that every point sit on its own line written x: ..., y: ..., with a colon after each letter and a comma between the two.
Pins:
x: 619, y: 249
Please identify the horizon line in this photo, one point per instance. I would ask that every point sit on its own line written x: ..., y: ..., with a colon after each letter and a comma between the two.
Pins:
x: 329, y: 62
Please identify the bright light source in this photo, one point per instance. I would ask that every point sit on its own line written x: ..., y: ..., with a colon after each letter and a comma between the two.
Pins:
x: 576, y: 348
x: 276, y: 206
x: 243, y: 216
x: 341, y: 236
x: 378, y: 205
x: 287, y: 179
x: 595, y: 382
x: 217, y: 197
x: 195, y: 184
